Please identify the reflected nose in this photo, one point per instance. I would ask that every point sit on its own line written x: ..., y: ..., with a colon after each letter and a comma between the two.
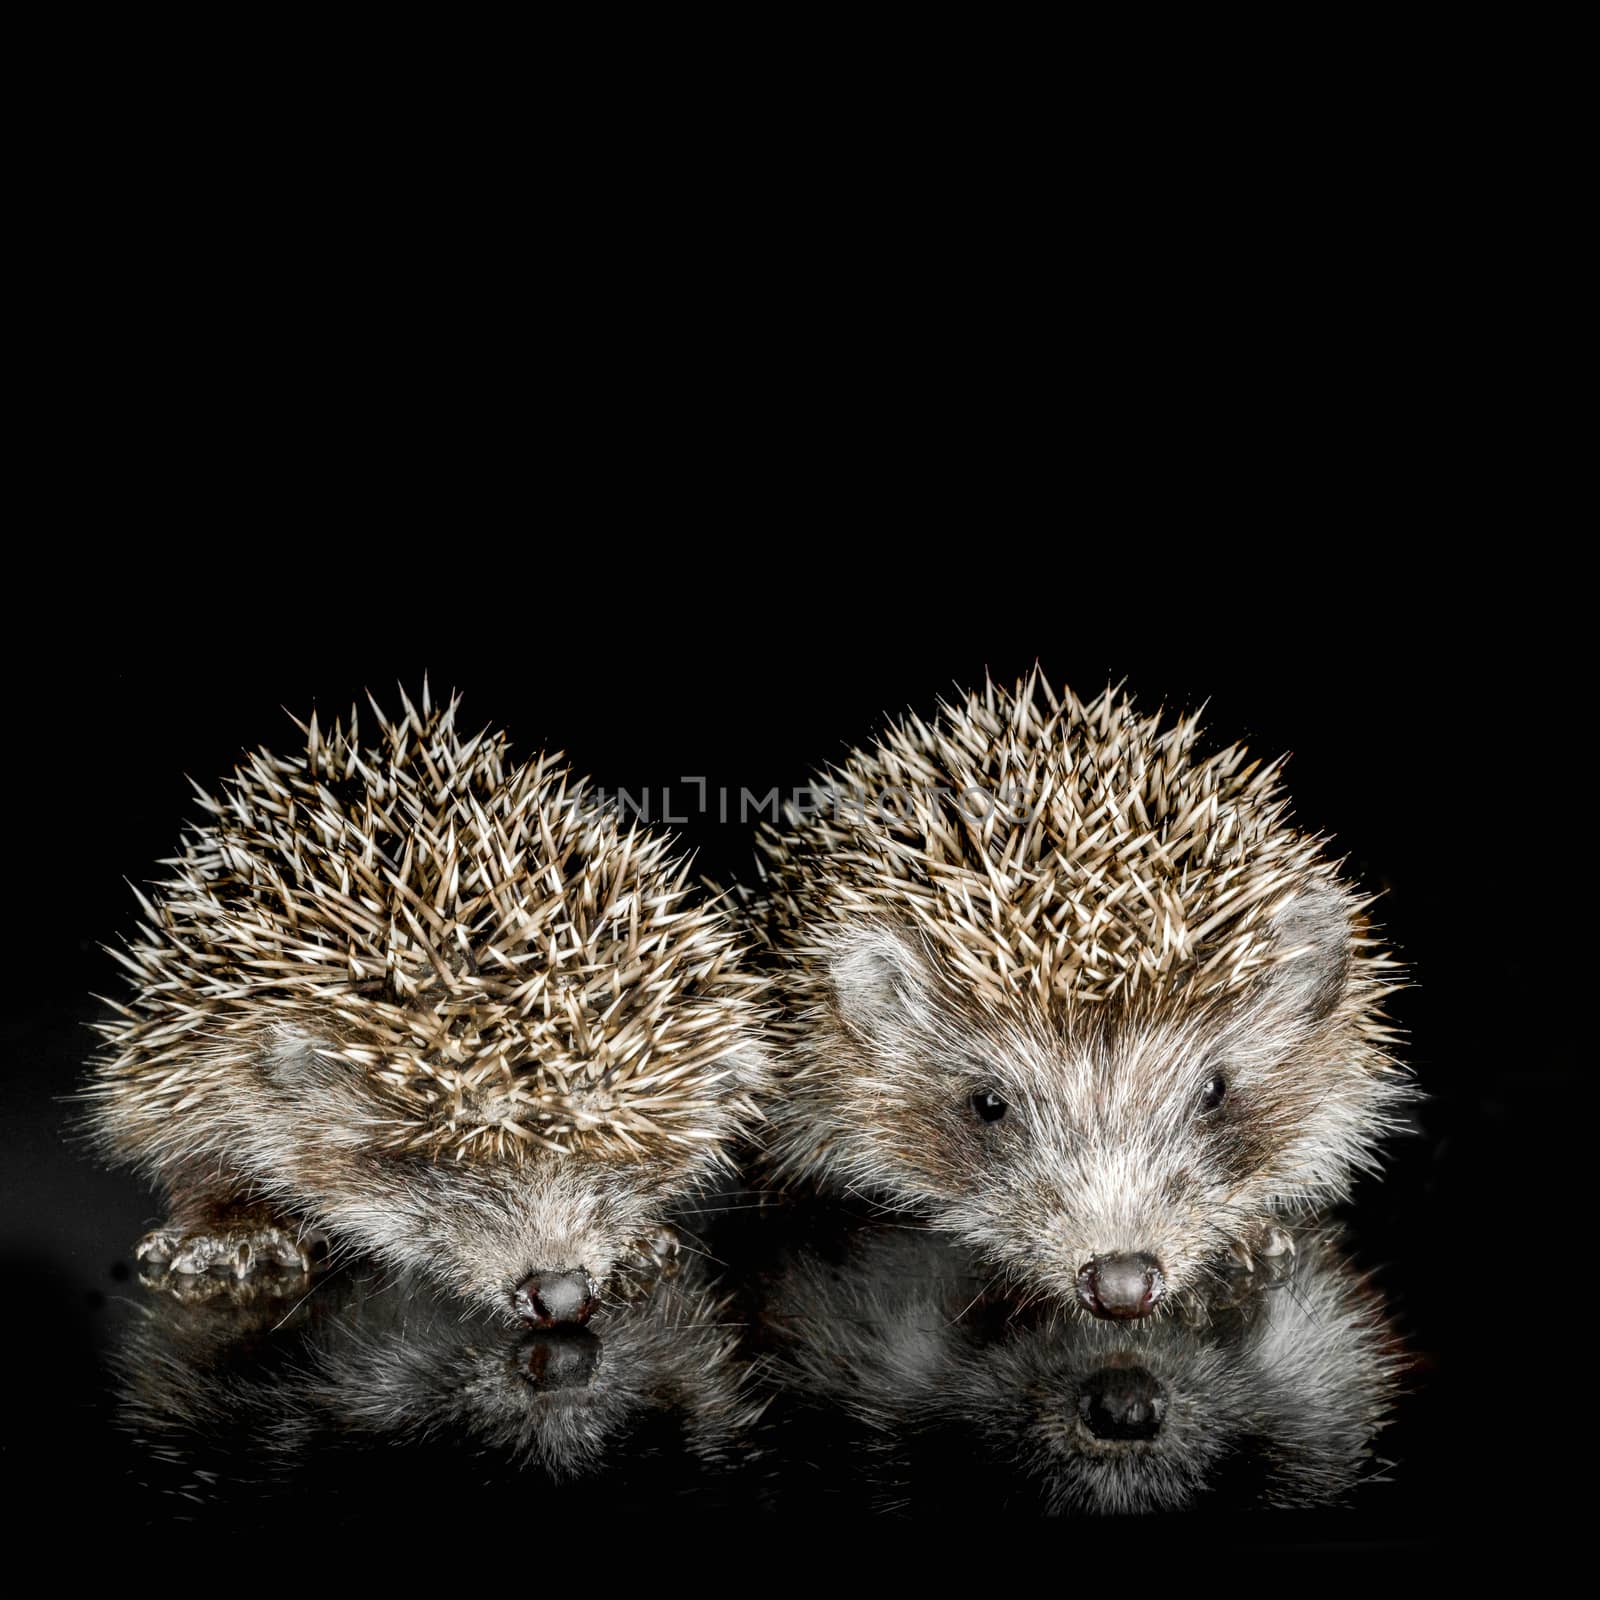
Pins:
x: 556, y: 1299
x: 564, y: 1359
x: 1122, y: 1403
x: 1121, y: 1286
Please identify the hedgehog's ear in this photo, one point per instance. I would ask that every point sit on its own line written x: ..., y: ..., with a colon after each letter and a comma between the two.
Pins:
x: 1314, y: 940
x: 880, y: 978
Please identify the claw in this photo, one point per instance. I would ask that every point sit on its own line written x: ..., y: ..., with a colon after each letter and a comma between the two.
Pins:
x: 157, y: 1247
x: 239, y: 1252
x: 1275, y: 1242
x: 1275, y: 1254
x: 662, y: 1248
x: 648, y: 1260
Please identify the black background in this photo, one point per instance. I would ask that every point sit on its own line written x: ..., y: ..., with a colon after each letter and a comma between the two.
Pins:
x: 697, y: 452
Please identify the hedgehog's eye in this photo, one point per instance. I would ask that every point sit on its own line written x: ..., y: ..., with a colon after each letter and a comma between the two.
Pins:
x: 1214, y: 1092
x: 987, y: 1106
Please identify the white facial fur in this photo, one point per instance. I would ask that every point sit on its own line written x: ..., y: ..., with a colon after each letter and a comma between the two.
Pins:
x: 1105, y: 1145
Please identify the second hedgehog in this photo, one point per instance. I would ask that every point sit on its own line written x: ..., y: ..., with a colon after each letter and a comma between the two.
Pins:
x: 1075, y: 994
x: 435, y: 1004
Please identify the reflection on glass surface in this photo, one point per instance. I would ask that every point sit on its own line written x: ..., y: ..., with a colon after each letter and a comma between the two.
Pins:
x: 871, y: 1366
x: 943, y: 1388
x: 265, y: 1387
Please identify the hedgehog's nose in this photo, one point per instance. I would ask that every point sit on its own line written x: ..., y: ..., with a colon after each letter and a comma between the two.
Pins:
x: 1121, y: 1286
x: 556, y: 1299
x: 1122, y: 1403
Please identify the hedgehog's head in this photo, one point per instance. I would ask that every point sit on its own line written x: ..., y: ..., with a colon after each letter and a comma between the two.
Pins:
x: 526, y: 1205
x: 1115, y: 1155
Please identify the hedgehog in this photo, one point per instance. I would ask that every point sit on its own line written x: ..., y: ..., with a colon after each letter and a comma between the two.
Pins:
x: 1275, y: 1399
x: 1068, y: 989
x: 416, y: 998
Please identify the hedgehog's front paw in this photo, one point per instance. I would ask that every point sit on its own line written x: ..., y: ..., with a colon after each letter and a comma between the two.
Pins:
x: 646, y: 1262
x: 1263, y: 1260
x: 235, y: 1251
x: 1266, y: 1260
x: 659, y: 1250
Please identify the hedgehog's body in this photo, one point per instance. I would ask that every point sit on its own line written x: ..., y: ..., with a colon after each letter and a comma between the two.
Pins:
x: 433, y: 1003
x: 1072, y: 993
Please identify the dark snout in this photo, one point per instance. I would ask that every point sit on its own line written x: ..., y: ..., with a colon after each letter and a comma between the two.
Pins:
x: 556, y: 1299
x: 1121, y: 1286
x: 1122, y: 1403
